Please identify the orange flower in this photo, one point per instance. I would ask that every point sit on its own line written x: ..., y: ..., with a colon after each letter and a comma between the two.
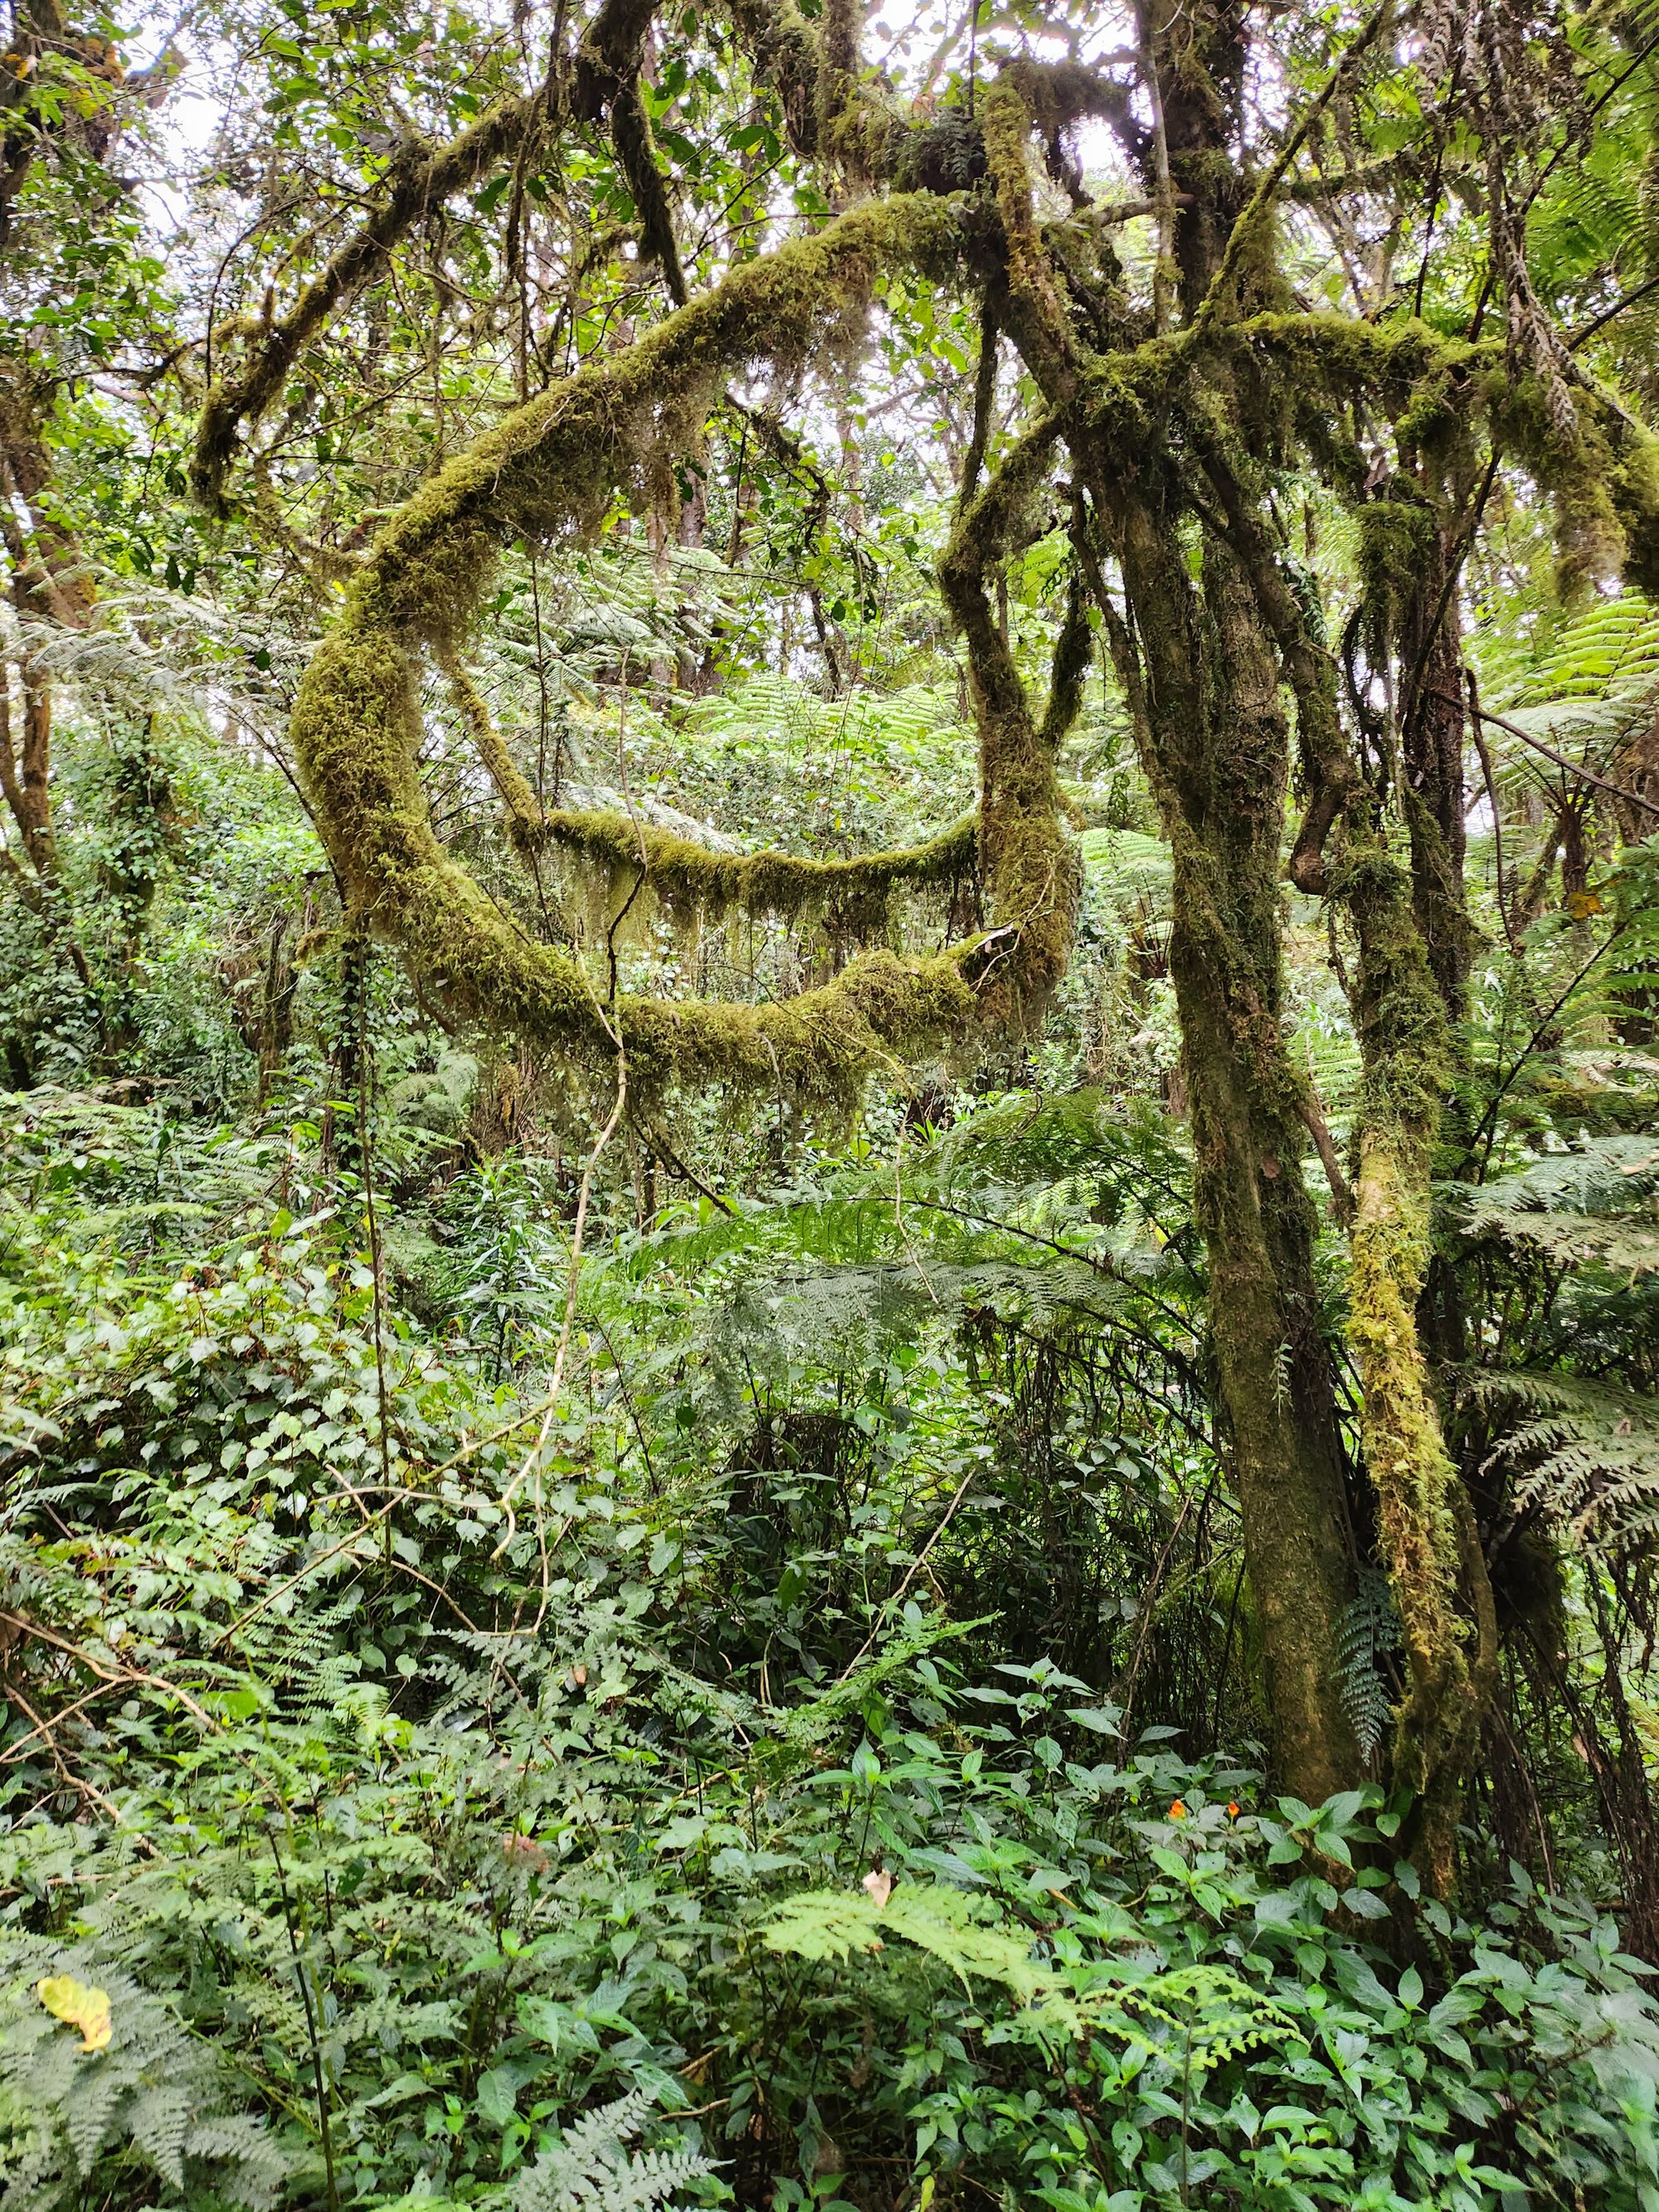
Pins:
x: 1232, y: 1808
x: 1177, y: 1811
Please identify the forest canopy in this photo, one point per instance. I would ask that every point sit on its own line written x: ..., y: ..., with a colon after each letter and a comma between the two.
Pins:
x: 830, y: 1159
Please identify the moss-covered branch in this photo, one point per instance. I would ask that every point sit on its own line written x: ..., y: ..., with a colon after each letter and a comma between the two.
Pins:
x: 550, y: 470
x: 636, y: 150
x: 1029, y: 866
x: 693, y: 879
x: 1031, y: 305
x: 421, y: 179
x: 606, y: 81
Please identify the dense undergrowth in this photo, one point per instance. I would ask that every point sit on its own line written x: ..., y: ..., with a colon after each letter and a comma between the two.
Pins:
x: 784, y: 1725
x: 605, y: 1604
x: 824, y: 1719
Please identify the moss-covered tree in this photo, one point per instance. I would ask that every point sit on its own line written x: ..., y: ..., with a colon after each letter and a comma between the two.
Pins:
x: 1165, y: 421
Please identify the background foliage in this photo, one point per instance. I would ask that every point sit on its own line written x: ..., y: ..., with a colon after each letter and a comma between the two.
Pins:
x: 760, y: 1702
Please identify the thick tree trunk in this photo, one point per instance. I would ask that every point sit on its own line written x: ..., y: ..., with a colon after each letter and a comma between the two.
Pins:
x: 1272, y: 1365
x: 1216, y: 747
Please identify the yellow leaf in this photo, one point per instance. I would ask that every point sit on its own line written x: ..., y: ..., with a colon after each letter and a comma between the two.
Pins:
x: 880, y: 1887
x: 77, y: 2005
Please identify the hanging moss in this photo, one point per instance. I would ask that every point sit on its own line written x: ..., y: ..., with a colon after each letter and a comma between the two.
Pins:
x: 550, y: 468
x: 1397, y: 542
x: 691, y: 881
x: 783, y: 52
x: 1602, y: 481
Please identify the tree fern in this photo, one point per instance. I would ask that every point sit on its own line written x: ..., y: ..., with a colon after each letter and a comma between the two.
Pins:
x: 1135, y: 870
x: 1581, y: 1453
x: 1596, y: 1203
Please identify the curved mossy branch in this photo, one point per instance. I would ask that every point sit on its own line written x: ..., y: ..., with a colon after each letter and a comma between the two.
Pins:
x: 691, y: 880
x: 853, y: 896
x: 421, y: 178
x: 695, y: 881
x: 551, y: 469
x: 357, y: 724
x: 1028, y: 865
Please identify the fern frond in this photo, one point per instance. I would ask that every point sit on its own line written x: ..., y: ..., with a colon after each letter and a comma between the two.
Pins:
x: 593, y: 2170
x: 1582, y: 1453
x: 154, y: 2092
x: 1370, y: 1627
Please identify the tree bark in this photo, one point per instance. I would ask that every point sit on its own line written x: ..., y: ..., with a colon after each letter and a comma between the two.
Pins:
x: 1216, y: 748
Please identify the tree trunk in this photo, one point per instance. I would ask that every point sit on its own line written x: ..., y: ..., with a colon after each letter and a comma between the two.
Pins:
x: 1215, y: 747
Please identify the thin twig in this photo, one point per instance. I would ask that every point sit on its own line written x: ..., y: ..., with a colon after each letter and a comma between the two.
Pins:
x: 1573, y: 768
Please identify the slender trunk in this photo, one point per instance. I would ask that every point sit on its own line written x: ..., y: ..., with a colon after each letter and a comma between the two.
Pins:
x: 26, y: 786
x: 1427, y: 1536
x: 1431, y: 745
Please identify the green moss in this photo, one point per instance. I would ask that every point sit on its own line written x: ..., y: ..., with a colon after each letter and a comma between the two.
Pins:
x: 550, y: 469
x: 1406, y: 1047
x: 636, y: 151
x: 422, y: 179
x: 1397, y: 542
x: 1033, y: 302
x: 1028, y: 868
x: 1438, y: 1723
x: 691, y: 881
